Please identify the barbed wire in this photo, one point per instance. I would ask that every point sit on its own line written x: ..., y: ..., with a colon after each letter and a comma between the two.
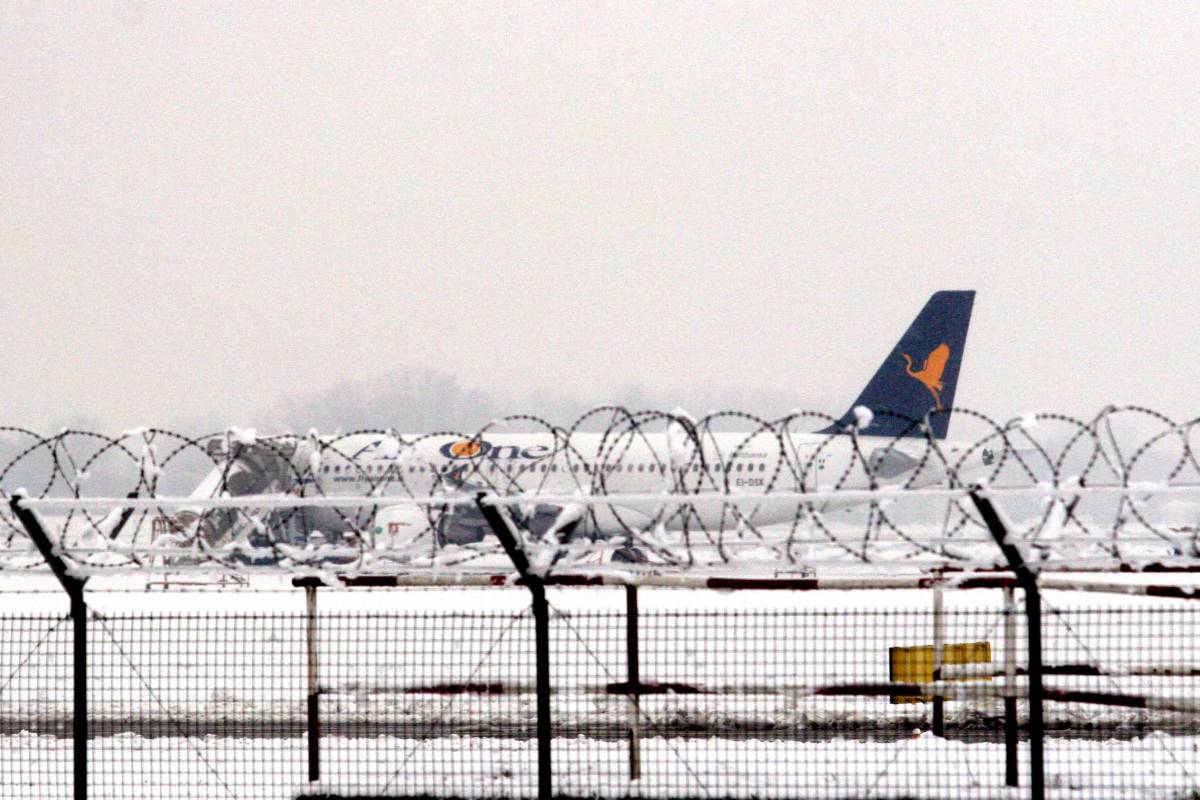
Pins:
x: 617, y: 489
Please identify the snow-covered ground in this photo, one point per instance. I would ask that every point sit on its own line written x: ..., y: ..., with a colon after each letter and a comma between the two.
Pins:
x: 130, y: 766
x: 202, y: 693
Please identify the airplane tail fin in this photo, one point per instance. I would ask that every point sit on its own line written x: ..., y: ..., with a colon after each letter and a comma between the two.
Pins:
x: 919, y: 375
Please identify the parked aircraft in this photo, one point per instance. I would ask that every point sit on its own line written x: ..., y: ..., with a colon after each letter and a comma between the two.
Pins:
x: 900, y: 422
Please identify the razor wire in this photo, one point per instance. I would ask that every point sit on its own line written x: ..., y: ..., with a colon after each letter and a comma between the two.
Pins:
x: 619, y: 490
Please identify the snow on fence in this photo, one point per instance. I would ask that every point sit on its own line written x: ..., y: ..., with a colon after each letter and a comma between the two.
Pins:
x: 657, y: 491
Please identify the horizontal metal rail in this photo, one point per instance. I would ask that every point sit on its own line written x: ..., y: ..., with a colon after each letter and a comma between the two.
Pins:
x: 681, y: 581
x: 1145, y: 590
x: 623, y: 498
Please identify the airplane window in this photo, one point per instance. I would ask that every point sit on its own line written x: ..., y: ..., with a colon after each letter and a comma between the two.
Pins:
x: 554, y: 467
x: 762, y: 467
x: 641, y: 467
x: 338, y: 468
x: 739, y: 467
x: 543, y: 467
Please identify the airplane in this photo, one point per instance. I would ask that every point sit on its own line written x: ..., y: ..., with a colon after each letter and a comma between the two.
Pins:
x: 899, y: 421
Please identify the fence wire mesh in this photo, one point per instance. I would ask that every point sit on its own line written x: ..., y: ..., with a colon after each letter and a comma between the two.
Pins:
x: 430, y: 693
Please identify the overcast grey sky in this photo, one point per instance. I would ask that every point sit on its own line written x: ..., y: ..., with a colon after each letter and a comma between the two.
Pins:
x: 207, y: 210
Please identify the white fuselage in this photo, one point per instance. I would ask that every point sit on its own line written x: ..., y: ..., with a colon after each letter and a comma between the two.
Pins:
x: 588, y: 464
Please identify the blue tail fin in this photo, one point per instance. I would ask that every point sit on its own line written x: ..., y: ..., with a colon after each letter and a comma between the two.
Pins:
x: 920, y: 374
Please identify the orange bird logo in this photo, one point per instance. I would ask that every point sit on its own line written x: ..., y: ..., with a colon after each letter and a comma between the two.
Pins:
x: 467, y: 449
x: 931, y: 371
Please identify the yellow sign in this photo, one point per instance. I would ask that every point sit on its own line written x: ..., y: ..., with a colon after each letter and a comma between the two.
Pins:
x: 915, y: 664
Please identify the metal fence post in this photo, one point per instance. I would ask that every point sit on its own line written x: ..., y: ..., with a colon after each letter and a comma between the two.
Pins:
x: 939, y: 645
x: 635, y: 710
x: 1027, y: 580
x: 1011, y: 773
x: 314, y: 687
x: 541, y: 621
x: 74, y: 588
